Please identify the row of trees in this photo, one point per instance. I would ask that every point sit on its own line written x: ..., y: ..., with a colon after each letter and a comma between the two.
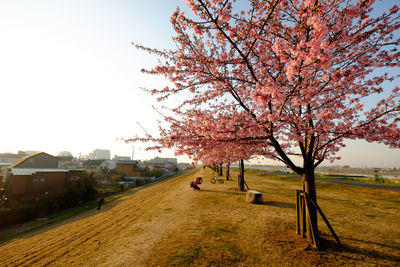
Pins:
x: 284, y: 79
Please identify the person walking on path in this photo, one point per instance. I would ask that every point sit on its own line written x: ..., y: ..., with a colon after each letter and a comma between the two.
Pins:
x: 100, y: 202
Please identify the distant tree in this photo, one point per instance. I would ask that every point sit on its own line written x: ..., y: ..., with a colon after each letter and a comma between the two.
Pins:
x: 287, y: 77
x: 79, y: 191
x: 154, y: 172
x: 220, y: 152
x: 114, y: 180
x: 89, y: 187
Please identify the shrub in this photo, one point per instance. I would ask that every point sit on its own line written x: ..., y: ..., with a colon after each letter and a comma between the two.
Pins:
x: 115, y: 179
x: 379, y: 179
x: 154, y: 172
x: 12, y: 216
x: 80, y: 191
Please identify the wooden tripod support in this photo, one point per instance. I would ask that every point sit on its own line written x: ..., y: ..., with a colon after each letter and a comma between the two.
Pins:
x: 303, y: 202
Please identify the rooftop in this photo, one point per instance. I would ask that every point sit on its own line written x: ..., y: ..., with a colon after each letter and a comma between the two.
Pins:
x: 30, y: 171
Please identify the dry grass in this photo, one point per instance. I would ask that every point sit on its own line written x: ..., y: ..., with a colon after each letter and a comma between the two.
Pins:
x: 171, y: 225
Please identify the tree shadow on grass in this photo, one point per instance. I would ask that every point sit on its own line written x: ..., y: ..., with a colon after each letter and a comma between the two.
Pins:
x: 332, y: 246
x: 280, y: 204
x: 223, y: 192
x: 373, y: 243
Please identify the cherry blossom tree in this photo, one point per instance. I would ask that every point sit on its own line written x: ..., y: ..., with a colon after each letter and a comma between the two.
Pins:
x: 218, y: 153
x: 288, y: 78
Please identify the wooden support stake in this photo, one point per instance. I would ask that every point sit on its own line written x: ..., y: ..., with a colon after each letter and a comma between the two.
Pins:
x: 246, y: 185
x: 310, y: 222
x: 327, y: 222
x: 297, y: 213
x: 303, y: 216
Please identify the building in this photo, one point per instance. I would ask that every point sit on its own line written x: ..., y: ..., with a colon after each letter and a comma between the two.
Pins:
x: 33, y: 176
x: 29, y: 152
x: 67, y: 161
x: 164, y: 160
x: 99, y: 154
x: 130, y: 168
x: 111, y: 165
x: 95, y: 165
x: 65, y: 156
x: 39, y: 160
x: 116, y: 158
x: 182, y: 166
x: 7, y: 159
x: 165, y: 164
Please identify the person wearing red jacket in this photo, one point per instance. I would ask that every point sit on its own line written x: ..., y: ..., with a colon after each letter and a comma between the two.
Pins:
x: 194, y: 184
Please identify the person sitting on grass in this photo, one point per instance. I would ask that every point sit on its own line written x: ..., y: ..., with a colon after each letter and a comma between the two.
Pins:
x: 194, y: 184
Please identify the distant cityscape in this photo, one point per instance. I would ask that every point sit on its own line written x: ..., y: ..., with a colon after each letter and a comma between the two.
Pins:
x: 68, y: 161
x: 44, y: 182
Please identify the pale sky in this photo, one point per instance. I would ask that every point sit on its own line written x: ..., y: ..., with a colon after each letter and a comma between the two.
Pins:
x: 70, y: 78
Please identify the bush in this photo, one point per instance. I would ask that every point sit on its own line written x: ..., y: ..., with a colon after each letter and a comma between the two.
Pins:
x: 140, y: 182
x: 115, y: 179
x: 379, y: 180
x: 90, y: 191
x: 154, y: 172
x: 12, y: 216
x: 80, y: 191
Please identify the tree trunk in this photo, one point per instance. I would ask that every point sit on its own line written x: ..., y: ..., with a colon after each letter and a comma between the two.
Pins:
x: 227, y: 171
x: 220, y: 170
x: 241, y: 175
x: 215, y: 168
x: 309, y: 188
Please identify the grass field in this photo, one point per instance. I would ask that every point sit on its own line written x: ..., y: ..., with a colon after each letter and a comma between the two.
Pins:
x: 169, y: 224
x: 352, y: 178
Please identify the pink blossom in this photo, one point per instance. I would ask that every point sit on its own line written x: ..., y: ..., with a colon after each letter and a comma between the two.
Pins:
x: 262, y: 86
x: 394, y: 9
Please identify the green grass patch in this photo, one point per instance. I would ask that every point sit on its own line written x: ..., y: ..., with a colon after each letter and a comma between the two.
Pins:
x: 223, y: 231
x: 186, y: 256
x: 224, y: 254
x: 231, y: 250
x: 220, y: 230
x: 359, y: 179
x: 287, y: 176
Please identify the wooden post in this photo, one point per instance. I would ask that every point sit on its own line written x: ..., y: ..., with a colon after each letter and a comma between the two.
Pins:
x: 303, y: 203
x: 313, y: 227
x: 327, y: 222
x: 303, y: 215
x: 246, y: 184
x: 228, y: 171
x: 241, y: 175
x: 297, y: 213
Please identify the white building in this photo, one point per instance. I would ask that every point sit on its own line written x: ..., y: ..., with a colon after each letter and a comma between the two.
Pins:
x: 99, y: 154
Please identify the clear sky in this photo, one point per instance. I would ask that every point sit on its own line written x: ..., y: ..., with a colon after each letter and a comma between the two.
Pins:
x: 70, y: 78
